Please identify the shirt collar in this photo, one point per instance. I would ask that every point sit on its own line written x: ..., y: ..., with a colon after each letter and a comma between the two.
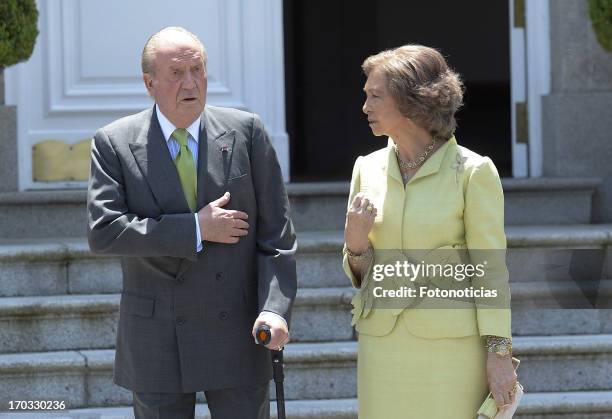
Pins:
x: 168, y: 127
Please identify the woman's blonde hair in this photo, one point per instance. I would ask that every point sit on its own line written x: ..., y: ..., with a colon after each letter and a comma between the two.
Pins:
x: 425, y: 89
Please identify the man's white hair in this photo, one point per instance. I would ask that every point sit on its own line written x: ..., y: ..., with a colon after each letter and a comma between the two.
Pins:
x: 147, y: 61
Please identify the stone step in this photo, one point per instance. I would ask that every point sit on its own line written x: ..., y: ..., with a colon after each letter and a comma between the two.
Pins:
x: 313, y: 371
x: 566, y: 405
x: 565, y: 363
x: 518, y: 236
x: 569, y: 405
x: 55, y: 266
x: 561, y: 308
x: 295, y: 409
x: 65, y: 322
x: 550, y: 322
x: 562, y: 294
x: 322, y: 314
x: 51, y: 323
x: 535, y: 253
x: 84, y: 378
x: 528, y: 201
x: 66, y: 266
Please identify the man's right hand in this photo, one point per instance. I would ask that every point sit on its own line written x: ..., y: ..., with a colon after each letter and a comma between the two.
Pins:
x: 221, y: 225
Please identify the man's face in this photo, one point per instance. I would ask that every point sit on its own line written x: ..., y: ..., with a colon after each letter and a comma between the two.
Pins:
x: 179, y: 81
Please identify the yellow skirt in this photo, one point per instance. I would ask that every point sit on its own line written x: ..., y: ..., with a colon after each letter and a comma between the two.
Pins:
x: 401, y: 376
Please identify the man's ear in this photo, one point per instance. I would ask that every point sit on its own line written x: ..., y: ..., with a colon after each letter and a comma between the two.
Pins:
x: 149, y: 83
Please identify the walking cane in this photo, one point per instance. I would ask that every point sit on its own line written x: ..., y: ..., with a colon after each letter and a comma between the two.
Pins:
x: 263, y: 337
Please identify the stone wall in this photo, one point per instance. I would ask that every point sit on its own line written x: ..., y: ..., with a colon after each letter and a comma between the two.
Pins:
x: 577, y: 115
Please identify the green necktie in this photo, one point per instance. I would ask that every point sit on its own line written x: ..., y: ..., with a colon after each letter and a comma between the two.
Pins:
x: 186, y: 168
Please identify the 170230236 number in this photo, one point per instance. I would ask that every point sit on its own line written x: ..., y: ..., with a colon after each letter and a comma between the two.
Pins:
x: 37, y: 405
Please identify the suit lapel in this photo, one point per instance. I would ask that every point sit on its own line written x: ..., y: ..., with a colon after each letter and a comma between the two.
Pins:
x: 202, y: 164
x: 432, y: 164
x: 153, y: 158
x: 391, y: 167
x: 215, y: 169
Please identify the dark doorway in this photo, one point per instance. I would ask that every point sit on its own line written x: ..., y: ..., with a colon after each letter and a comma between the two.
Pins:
x: 325, y: 44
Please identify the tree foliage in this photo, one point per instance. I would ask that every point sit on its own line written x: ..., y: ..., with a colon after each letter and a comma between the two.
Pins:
x: 600, y: 12
x: 18, y: 30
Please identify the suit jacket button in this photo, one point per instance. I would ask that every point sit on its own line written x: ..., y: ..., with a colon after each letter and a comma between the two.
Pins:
x: 219, y: 276
x: 223, y: 315
x: 180, y: 321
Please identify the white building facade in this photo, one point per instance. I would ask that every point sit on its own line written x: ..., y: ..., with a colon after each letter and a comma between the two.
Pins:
x: 85, y: 72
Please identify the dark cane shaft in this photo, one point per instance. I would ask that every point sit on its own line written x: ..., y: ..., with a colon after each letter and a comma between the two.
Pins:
x: 279, y: 377
x: 263, y: 336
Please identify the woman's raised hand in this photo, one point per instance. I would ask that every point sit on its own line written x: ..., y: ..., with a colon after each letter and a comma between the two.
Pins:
x: 359, y: 221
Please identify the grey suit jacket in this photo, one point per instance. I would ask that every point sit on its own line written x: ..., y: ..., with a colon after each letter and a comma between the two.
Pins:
x: 186, y: 317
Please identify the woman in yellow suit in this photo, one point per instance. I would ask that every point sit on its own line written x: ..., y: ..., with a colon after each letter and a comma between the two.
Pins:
x: 425, y: 192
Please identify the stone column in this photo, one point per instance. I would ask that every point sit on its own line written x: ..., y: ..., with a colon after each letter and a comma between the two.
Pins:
x: 1, y: 86
x: 9, y: 181
x: 577, y: 122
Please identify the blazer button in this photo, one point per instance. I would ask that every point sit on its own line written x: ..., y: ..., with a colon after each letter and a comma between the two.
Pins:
x: 223, y: 315
x: 180, y: 321
x: 219, y: 276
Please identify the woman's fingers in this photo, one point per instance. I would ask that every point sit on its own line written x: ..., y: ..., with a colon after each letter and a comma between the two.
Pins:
x: 362, y: 204
x: 357, y: 201
x: 507, y: 398
x: 503, y: 397
x: 500, y: 399
x: 502, y: 379
x: 367, y: 206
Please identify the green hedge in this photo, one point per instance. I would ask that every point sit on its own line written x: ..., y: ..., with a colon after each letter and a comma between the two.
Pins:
x: 18, y: 30
x: 601, y: 16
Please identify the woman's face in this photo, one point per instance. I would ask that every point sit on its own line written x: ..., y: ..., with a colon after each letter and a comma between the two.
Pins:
x: 383, y: 113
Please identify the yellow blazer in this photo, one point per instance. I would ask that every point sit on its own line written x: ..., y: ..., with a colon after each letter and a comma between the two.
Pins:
x: 455, y: 200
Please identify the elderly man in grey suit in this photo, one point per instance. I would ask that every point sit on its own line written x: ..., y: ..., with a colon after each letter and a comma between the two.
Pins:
x: 192, y: 198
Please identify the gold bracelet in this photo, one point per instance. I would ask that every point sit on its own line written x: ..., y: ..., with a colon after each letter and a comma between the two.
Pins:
x: 358, y: 257
x: 499, y: 345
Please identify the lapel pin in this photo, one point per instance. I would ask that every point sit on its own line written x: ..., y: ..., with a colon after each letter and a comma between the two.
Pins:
x: 226, y: 149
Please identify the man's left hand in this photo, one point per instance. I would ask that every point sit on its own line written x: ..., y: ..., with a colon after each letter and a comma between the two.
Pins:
x: 278, y: 329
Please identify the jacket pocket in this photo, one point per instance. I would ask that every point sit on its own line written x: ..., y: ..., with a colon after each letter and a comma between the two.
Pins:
x: 378, y: 323
x: 239, y: 183
x: 137, y: 305
x: 237, y: 177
